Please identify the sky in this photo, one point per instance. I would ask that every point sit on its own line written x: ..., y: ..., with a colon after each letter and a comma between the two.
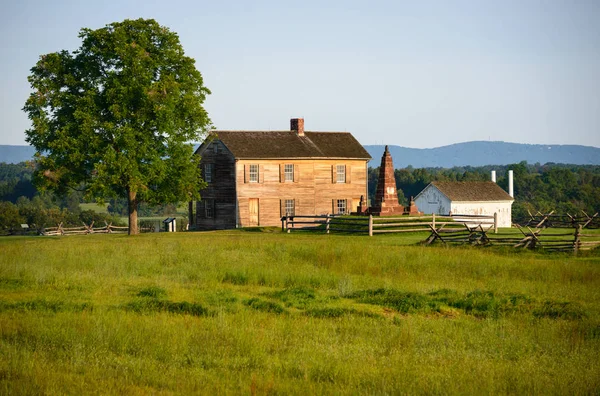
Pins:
x: 417, y: 74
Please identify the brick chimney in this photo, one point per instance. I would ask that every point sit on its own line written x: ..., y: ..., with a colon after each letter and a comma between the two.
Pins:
x: 297, y: 125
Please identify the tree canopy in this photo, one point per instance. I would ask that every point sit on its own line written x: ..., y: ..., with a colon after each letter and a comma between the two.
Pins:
x: 114, y: 118
x: 561, y: 188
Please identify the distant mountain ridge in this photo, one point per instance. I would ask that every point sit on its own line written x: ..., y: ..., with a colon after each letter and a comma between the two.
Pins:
x: 480, y: 153
x: 476, y: 153
x: 15, y: 154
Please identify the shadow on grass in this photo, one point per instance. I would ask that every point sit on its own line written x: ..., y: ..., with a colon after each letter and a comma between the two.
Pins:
x: 152, y: 305
x: 43, y: 305
x: 478, y: 303
x: 337, y: 312
x: 265, y: 306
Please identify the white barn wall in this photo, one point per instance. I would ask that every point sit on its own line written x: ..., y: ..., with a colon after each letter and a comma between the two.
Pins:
x: 431, y: 200
x: 488, y: 208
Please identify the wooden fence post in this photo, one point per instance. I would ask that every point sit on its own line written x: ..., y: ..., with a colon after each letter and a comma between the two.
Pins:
x: 433, y: 220
x: 287, y: 226
x: 370, y: 225
x: 327, y: 224
x: 283, y: 223
x: 577, y: 240
x: 495, y: 222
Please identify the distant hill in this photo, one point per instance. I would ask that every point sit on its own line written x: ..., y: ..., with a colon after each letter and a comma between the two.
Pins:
x: 486, y: 153
x: 16, y: 154
x: 460, y: 154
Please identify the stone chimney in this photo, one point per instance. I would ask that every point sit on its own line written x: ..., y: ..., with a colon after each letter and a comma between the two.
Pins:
x: 297, y: 125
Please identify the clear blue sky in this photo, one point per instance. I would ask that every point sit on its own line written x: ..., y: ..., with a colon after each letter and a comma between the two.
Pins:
x: 409, y: 73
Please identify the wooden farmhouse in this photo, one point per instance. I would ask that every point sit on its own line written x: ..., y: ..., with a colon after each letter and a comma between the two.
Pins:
x: 468, y: 198
x: 256, y: 177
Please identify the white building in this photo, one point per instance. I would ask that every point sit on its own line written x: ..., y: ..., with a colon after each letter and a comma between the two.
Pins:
x: 468, y: 198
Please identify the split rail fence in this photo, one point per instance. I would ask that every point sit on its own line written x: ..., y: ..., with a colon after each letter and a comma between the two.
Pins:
x: 89, y: 229
x: 462, y: 229
x: 384, y: 225
x: 551, y: 220
x: 83, y: 230
x: 548, y: 232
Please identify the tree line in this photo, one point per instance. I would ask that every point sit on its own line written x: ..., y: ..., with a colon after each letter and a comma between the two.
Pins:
x: 22, y: 203
x: 563, y: 188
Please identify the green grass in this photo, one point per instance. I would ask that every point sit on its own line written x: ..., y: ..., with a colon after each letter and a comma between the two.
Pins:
x: 267, y: 312
x: 94, y: 206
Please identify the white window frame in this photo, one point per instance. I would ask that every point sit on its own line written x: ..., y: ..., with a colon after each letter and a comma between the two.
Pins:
x: 208, y: 170
x: 253, y: 173
x: 290, y: 207
x: 288, y: 172
x: 340, y: 171
x: 341, y: 206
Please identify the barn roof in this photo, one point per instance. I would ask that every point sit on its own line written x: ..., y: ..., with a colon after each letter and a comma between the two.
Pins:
x: 288, y: 144
x: 472, y: 191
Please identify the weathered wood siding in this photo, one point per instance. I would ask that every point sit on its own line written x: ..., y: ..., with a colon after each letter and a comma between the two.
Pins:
x: 220, y: 193
x: 314, y: 189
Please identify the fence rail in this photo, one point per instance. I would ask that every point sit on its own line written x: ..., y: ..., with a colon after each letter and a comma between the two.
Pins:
x: 451, y: 229
x: 84, y: 230
x: 383, y: 225
x: 574, y: 241
x: 89, y: 229
x: 551, y: 220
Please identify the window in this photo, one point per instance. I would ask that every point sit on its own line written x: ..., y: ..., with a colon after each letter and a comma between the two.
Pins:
x: 209, y: 212
x: 341, y: 206
x: 208, y: 170
x: 254, y: 173
x: 215, y: 148
x: 289, y: 172
x: 341, y: 173
x: 290, y: 207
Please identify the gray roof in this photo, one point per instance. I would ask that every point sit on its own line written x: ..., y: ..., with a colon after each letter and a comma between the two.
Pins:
x: 287, y: 144
x: 472, y: 191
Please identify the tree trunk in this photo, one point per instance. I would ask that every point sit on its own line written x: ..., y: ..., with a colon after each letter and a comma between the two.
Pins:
x: 132, y: 205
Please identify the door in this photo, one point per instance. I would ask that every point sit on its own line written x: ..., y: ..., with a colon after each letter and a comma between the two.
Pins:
x: 253, y: 212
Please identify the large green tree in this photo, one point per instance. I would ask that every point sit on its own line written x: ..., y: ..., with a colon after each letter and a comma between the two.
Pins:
x: 115, y: 117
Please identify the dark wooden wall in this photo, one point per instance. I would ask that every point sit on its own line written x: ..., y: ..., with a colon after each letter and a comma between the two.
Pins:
x: 220, y: 193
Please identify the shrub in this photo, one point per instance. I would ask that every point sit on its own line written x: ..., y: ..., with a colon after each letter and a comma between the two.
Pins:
x: 43, y: 305
x: 336, y: 312
x: 265, y: 306
x: 150, y: 305
x: 402, y: 302
x: 152, y: 291
x: 560, y: 310
x: 297, y: 297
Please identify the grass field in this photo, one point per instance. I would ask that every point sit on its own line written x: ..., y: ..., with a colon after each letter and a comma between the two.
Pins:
x: 267, y: 312
x: 94, y: 206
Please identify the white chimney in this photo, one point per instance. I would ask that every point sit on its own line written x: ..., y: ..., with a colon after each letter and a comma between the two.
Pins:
x: 494, y: 176
x: 511, y: 188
